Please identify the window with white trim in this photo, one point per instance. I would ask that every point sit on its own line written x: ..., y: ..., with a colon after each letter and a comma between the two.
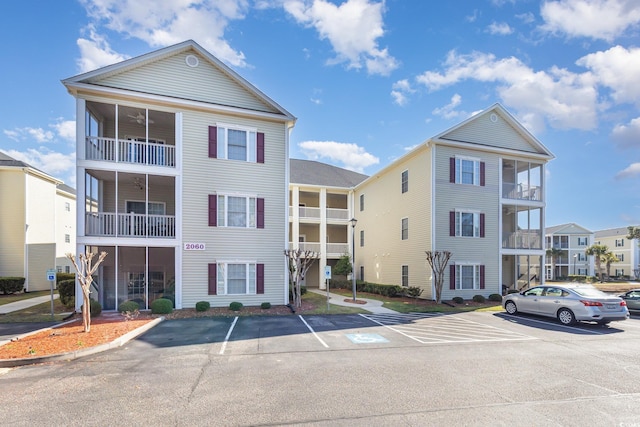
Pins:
x: 405, y: 276
x: 361, y: 238
x: 236, y: 144
x: 467, y: 171
x: 619, y: 271
x: 236, y: 211
x: 619, y: 243
x: 582, y: 271
x: 467, y: 276
x: 405, y: 228
x: 582, y: 241
x: 67, y: 206
x: 361, y: 202
x: 67, y: 238
x: 467, y: 224
x: 405, y: 181
x: 236, y: 278
x: 582, y: 257
x: 620, y: 257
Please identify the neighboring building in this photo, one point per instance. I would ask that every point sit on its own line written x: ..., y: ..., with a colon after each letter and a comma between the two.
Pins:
x: 572, y: 240
x: 183, y: 166
x: 625, y: 250
x: 65, y: 217
x: 476, y: 190
x: 32, y: 237
x: 320, y: 210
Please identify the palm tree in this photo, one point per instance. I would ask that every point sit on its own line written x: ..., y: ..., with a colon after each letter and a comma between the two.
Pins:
x: 609, y: 258
x: 598, y: 251
x: 554, y: 254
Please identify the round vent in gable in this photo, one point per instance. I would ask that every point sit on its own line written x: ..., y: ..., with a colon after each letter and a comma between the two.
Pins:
x: 493, y: 118
x: 192, y: 61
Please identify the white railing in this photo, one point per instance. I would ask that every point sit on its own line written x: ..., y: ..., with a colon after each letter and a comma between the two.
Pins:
x: 334, y: 213
x: 522, y: 240
x: 337, y: 248
x: 307, y: 246
x: 127, y: 151
x: 130, y: 225
x: 521, y: 191
x: 305, y: 212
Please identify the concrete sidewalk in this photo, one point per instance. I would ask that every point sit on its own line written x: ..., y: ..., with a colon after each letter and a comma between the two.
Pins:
x: 371, y: 305
x: 25, y: 303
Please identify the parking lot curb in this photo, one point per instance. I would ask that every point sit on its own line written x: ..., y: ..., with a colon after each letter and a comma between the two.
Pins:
x: 118, y: 342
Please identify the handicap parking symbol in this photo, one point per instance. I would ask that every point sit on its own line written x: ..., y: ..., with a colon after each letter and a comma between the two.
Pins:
x: 366, y: 338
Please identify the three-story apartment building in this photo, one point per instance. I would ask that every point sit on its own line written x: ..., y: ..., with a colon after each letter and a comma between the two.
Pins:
x: 572, y: 240
x: 625, y: 250
x: 182, y: 171
x: 476, y: 190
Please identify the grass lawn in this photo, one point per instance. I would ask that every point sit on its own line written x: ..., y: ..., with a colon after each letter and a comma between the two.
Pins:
x: 37, y: 313
x: 6, y: 299
x: 320, y: 302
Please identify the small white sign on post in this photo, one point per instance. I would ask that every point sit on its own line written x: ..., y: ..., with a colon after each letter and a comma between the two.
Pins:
x: 327, y: 272
x: 51, y: 277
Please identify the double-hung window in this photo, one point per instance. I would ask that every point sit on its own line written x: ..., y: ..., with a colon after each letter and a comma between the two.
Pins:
x: 467, y: 276
x: 405, y: 228
x: 405, y: 276
x: 236, y: 143
x: 582, y: 241
x: 467, y: 171
x: 361, y: 238
x: 619, y: 243
x: 468, y: 224
x: 236, y: 211
x: 361, y: 202
x: 236, y: 278
x: 405, y: 181
x: 620, y: 257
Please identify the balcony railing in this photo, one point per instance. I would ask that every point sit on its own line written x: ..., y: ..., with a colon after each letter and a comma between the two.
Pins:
x: 333, y: 249
x: 314, y: 213
x: 127, y: 151
x: 130, y: 225
x: 521, y: 191
x: 334, y: 213
x: 522, y: 240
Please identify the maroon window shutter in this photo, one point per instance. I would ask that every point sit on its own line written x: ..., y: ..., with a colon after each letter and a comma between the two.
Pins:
x: 260, y: 212
x: 452, y: 276
x: 482, y: 277
x: 481, y: 225
x: 482, y: 174
x: 260, y: 147
x: 260, y: 278
x: 452, y: 169
x: 213, y: 210
x: 213, y: 279
x: 213, y: 142
x: 452, y: 223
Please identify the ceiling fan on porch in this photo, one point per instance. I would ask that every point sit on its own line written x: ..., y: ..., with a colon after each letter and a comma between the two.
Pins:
x: 139, y: 118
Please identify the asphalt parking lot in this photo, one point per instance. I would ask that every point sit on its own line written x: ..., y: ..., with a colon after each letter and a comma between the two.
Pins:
x: 413, y: 370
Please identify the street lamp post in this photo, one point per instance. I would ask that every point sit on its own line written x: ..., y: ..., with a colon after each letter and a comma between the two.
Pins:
x: 353, y: 222
x: 575, y: 258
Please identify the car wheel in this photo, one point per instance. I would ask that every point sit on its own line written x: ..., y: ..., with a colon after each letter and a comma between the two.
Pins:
x: 510, y: 307
x: 566, y: 316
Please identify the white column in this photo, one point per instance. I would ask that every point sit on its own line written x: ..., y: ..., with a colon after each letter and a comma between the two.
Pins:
x: 295, y: 226
x: 323, y: 238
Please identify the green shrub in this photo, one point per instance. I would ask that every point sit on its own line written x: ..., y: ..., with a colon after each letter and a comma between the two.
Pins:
x: 479, y: 298
x: 94, y: 308
x: 265, y: 305
x: 235, y: 306
x: 203, y: 306
x: 495, y: 297
x: 413, y: 291
x: 161, y: 306
x: 457, y: 300
x: 11, y: 285
x: 129, y: 306
x: 64, y: 276
x: 67, y: 292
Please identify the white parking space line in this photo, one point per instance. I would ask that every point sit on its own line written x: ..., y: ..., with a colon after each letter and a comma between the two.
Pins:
x: 313, y: 332
x: 573, y: 328
x: 429, y: 328
x: 226, y: 339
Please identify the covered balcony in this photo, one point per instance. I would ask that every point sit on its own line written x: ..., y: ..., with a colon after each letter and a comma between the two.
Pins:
x: 521, y: 227
x: 123, y: 134
x: 129, y: 205
x: 521, y: 180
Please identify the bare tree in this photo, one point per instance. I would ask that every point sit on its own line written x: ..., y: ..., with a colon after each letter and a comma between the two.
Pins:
x: 438, y: 261
x: 299, y: 263
x: 85, y: 270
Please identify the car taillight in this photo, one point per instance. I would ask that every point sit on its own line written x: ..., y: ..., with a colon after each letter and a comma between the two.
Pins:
x: 623, y: 303
x: 591, y: 303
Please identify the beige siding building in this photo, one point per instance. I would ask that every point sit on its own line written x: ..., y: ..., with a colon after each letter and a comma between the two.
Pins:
x: 476, y: 190
x: 572, y: 240
x: 32, y: 237
x: 65, y: 217
x: 627, y: 252
x: 183, y: 167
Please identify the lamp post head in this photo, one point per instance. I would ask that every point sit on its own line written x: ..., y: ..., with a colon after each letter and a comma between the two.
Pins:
x: 353, y: 222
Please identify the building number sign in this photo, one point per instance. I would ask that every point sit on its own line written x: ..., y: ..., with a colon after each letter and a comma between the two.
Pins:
x: 194, y: 247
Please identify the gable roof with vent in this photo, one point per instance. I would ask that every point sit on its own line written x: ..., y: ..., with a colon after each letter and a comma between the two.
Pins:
x: 569, y: 228
x: 310, y: 172
x: 182, y: 74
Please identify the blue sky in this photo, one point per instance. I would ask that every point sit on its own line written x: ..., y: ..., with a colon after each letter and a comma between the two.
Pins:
x: 367, y: 79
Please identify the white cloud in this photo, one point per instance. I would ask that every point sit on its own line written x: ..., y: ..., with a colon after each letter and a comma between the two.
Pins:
x: 629, y: 172
x: 473, y: 17
x: 499, y: 28
x: 596, y: 19
x: 627, y: 136
x: 27, y: 133
x: 352, y: 28
x: 400, y: 90
x: 58, y: 165
x: 563, y: 99
x: 449, y: 110
x: 617, y: 68
x: 526, y: 18
x: 66, y: 129
x: 351, y: 156
x: 95, y: 52
x: 162, y: 23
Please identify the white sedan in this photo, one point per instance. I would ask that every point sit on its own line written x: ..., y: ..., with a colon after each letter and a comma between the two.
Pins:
x: 569, y: 303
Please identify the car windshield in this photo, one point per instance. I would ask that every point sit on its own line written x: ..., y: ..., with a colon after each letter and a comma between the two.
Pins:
x: 590, y: 292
